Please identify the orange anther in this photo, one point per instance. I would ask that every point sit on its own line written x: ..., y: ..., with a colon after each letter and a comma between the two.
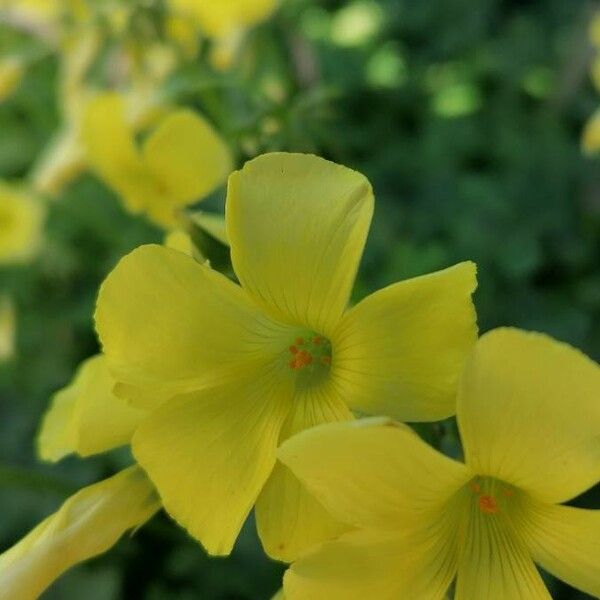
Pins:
x: 317, y: 340
x: 507, y: 493
x: 476, y: 487
x: 293, y: 349
x: 487, y: 504
x: 299, y: 341
x: 325, y: 360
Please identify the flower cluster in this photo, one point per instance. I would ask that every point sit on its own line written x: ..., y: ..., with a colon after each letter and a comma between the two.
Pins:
x: 247, y: 393
x: 270, y: 386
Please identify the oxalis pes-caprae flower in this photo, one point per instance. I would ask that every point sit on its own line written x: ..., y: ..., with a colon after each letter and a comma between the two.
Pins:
x: 227, y: 371
x: 529, y: 419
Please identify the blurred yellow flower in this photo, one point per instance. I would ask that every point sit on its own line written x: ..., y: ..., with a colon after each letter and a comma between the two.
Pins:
x: 591, y: 134
x: 590, y: 141
x: 594, y: 31
x: 137, y: 73
x: 11, y: 73
x: 40, y: 18
x: 87, y: 524
x: 180, y: 162
x: 230, y: 371
x: 529, y: 418
x: 86, y: 417
x: 21, y: 225
x: 224, y: 22
x: 217, y: 19
x: 8, y: 327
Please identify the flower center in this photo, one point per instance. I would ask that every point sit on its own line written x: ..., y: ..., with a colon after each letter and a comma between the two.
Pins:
x: 309, y: 356
x: 491, y: 495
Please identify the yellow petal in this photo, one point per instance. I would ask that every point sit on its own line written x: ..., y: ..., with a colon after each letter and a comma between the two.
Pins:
x: 494, y: 561
x: 279, y: 595
x: 373, y: 564
x: 8, y: 329
x: 87, y: 524
x: 187, y: 156
x: 565, y: 541
x: 58, y: 434
x: 86, y: 417
x: 529, y: 414
x: 297, y: 226
x: 373, y: 472
x: 12, y: 70
x: 288, y: 518
x: 591, y: 134
x: 111, y: 152
x: 209, y: 454
x: 170, y: 325
x: 178, y: 239
x: 21, y: 225
x: 220, y: 18
x: 62, y: 161
x: 400, y: 351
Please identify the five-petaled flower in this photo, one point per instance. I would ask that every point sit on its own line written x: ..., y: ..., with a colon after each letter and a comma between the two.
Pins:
x: 529, y: 418
x: 230, y: 370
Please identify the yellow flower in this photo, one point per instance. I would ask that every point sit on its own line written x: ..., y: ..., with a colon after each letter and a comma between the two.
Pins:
x: 594, y: 31
x: 64, y: 159
x: 224, y: 22
x: 181, y: 161
x: 217, y: 19
x: 86, y: 417
x: 11, y: 73
x: 591, y: 135
x: 87, y: 524
x: 230, y: 370
x: 8, y: 326
x: 21, y: 225
x: 529, y: 418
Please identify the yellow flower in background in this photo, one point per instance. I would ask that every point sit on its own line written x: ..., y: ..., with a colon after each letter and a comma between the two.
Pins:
x: 230, y: 371
x: 224, y: 22
x: 21, y: 225
x: 87, y: 524
x: 11, y: 73
x: 38, y: 17
x: 181, y: 161
x: 85, y: 417
x: 8, y: 329
x: 217, y: 19
x: 63, y: 159
x: 591, y: 134
x: 529, y: 418
x: 137, y: 74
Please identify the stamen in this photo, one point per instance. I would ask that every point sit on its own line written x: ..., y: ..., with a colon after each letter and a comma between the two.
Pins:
x: 475, y: 487
x: 488, y: 505
x: 311, y: 350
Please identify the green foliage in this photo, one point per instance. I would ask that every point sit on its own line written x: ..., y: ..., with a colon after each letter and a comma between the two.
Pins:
x: 466, y: 116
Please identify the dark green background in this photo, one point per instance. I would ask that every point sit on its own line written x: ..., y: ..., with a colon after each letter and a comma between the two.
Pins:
x: 466, y: 115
